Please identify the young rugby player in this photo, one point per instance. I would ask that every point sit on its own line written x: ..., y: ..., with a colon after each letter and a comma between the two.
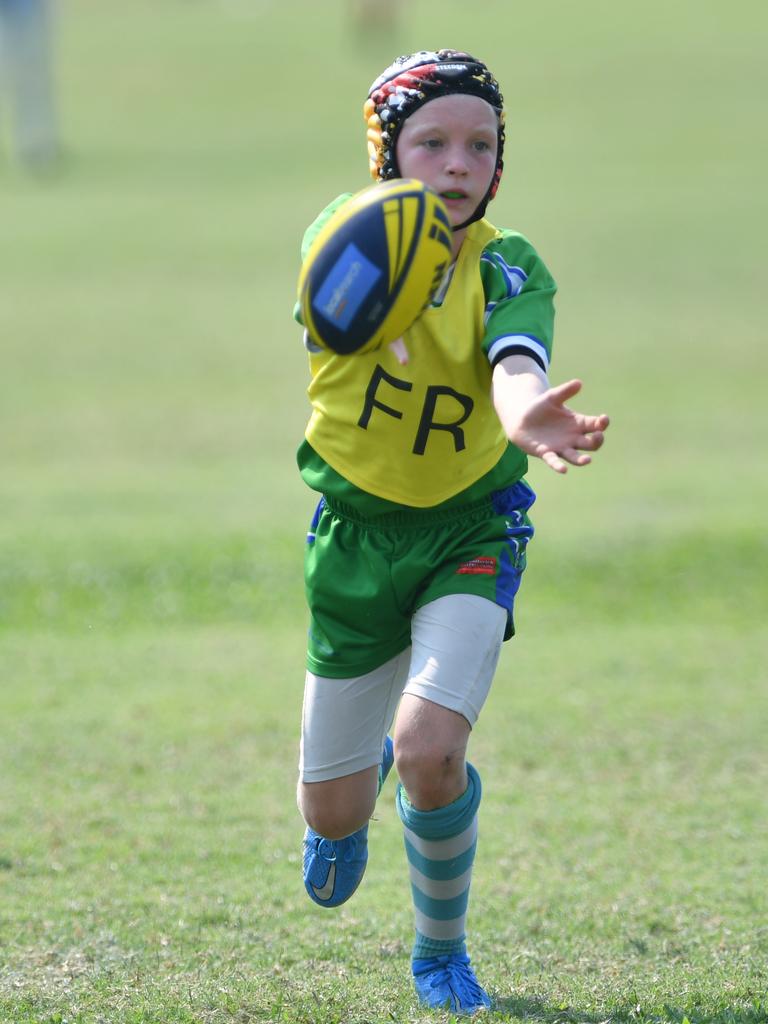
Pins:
x: 418, y: 544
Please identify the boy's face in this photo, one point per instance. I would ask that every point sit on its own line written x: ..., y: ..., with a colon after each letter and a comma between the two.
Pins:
x: 450, y: 144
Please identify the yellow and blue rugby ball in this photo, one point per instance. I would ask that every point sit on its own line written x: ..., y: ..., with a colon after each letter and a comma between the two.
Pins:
x: 374, y: 266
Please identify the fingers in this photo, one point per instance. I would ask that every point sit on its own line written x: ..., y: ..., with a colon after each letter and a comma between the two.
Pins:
x: 576, y: 458
x: 591, y: 424
x: 560, y: 437
x: 558, y: 460
x: 400, y: 351
x: 553, y: 460
x: 562, y: 392
x: 592, y: 442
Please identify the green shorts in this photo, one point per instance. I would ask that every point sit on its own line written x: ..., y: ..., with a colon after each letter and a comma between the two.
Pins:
x: 366, y: 577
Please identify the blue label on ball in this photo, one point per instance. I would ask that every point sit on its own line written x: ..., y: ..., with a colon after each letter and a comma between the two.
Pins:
x: 346, y: 287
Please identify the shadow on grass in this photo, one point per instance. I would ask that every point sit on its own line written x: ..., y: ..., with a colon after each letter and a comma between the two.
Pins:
x: 528, y: 1009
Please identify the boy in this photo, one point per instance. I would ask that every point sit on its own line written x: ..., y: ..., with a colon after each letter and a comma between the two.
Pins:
x: 418, y: 544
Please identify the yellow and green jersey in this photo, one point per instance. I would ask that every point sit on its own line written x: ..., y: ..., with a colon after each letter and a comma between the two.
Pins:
x: 383, y: 435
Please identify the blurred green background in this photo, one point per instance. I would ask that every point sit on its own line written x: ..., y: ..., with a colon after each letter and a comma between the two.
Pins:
x: 151, y: 401
x: 148, y: 353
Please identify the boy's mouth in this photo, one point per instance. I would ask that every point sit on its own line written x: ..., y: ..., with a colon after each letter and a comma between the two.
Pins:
x: 453, y: 194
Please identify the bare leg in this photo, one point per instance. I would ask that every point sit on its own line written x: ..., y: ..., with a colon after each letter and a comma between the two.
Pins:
x: 430, y: 750
x: 339, y: 807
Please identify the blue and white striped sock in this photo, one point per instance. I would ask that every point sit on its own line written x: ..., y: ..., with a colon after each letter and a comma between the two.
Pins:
x: 441, y: 847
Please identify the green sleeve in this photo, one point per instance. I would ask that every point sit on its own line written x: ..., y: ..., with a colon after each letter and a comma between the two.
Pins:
x: 314, y: 230
x: 519, y: 300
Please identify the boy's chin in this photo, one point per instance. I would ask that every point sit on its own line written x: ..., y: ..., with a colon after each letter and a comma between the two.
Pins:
x: 457, y: 214
x: 460, y: 212
x: 460, y: 219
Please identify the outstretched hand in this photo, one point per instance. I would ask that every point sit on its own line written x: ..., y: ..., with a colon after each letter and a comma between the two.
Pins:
x: 548, y: 429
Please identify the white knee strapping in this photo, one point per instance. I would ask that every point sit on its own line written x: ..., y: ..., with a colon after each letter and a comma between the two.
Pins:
x: 344, y: 721
x: 455, y: 648
x: 456, y: 642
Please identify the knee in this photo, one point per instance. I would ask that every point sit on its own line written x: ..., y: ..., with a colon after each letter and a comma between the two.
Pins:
x: 433, y: 776
x: 333, y: 824
x: 330, y: 815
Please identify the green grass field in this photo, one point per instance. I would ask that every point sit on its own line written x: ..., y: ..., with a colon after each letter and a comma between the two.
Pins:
x: 151, y: 606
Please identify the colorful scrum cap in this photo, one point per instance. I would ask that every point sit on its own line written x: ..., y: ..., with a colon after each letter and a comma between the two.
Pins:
x: 409, y: 83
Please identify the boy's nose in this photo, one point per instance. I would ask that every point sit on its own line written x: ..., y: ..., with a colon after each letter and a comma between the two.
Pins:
x: 455, y: 163
x: 456, y: 167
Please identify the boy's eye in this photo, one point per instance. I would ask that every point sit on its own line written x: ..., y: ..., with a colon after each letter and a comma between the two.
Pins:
x: 481, y: 145
x: 432, y: 143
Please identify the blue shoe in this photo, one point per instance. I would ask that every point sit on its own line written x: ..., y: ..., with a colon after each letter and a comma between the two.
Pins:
x: 387, y: 760
x: 448, y: 982
x: 333, y: 868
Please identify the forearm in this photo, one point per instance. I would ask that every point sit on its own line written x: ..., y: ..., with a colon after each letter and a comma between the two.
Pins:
x: 517, y: 381
x: 535, y: 417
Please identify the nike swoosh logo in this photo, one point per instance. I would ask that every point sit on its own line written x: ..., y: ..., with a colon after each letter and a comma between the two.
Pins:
x: 327, y: 890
